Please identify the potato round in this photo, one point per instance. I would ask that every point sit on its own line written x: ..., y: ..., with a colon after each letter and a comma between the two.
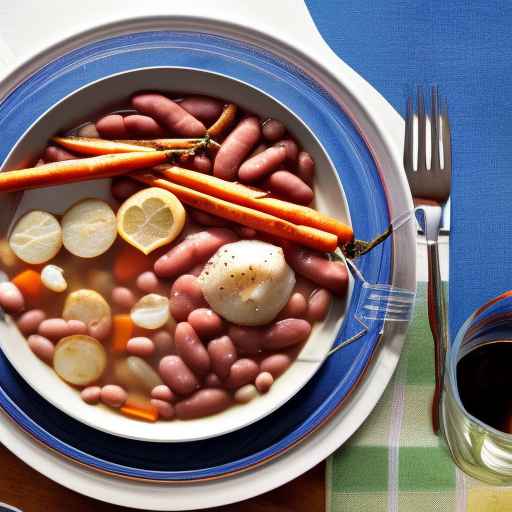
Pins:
x: 87, y: 306
x: 79, y: 359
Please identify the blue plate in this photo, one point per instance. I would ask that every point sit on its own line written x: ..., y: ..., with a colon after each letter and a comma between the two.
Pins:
x: 324, y: 394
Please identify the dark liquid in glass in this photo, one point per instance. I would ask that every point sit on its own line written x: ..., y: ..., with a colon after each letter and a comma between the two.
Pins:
x: 484, y: 380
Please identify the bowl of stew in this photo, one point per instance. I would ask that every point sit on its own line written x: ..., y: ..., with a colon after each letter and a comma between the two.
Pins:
x: 143, y: 315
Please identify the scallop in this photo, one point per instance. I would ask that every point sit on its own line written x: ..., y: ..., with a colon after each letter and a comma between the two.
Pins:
x: 151, y: 311
x: 247, y: 282
x: 134, y: 373
x: 53, y: 278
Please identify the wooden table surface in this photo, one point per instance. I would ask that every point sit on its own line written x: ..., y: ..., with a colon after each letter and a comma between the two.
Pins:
x: 25, y: 488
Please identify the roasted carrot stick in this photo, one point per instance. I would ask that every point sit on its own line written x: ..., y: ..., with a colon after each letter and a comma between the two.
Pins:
x: 122, y: 331
x: 161, y: 144
x: 95, y: 146
x: 140, y: 411
x: 304, y: 235
x: 255, y: 198
x: 70, y: 171
x: 224, y: 121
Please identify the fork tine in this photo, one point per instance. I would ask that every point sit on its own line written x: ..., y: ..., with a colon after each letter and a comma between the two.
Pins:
x: 447, y: 138
x: 422, y: 132
x: 435, y: 123
x: 409, y: 137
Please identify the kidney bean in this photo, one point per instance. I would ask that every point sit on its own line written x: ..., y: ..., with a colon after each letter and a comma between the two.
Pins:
x: 242, y: 372
x: 246, y: 393
x: 143, y: 126
x: 123, y: 188
x: 163, y: 392
x: 123, y: 297
x: 190, y: 349
x: 203, y: 403
x: 296, y: 307
x: 140, y: 346
x: 332, y: 275
x: 264, y: 382
x: 202, y: 163
x: 113, y: 395
x: 194, y: 249
x: 11, y: 299
x: 91, y: 394
x: 305, y: 168
x: 262, y: 164
x: 100, y: 330
x: 112, y: 127
x: 236, y: 147
x: 207, y: 219
x: 273, y: 130
x: 53, y: 328
x: 286, y: 185
x: 276, y: 364
x: 55, y: 154
x: 148, y: 282
x: 76, y: 327
x: 318, y: 305
x: 29, y: 321
x: 164, y: 343
x: 292, y: 150
x: 168, y: 114
x: 286, y: 333
x: 165, y: 409
x: 177, y: 375
x: 206, y: 323
x: 42, y: 347
x: 222, y: 355
x: 185, y: 297
x: 204, y: 108
x: 212, y: 381
x: 247, y: 339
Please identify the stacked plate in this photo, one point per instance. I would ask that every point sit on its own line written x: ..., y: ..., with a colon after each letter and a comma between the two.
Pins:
x: 318, y: 392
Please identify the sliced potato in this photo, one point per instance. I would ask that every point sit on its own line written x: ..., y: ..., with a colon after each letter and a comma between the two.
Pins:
x: 36, y: 237
x: 87, y: 306
x: 151, y: 311
x: 79, y: 359
x: 135, y: 374
x: 89, y: 228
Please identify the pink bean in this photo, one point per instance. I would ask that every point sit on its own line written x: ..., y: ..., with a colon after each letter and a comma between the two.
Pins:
x: 276, y: 364
x: 296, y: 307
x: 28, y: 323
x: 194, y: 249
x: 140, y: 346
x: 42, y: 347
x: 262, y: 164
x: 55, y: 154
x: 242, y: 372
x: 53, y: 328
x: 202, y: 163
x: 203, y: 403
x: 332, y: 275
x: 236, y: 147
x: 286, y: 333
x: 190, y: 349
x: 143, y: 126
x: 113, y: 395
x: 264, y: 382
x: 222, y: 354
x: 292, y: 150
x: 318, y: 305
x: 212, y: 381
x: 168, y: 114
x: 100, y: 330
x: 76, y: 327
x: 206, y: 219
x: 165, y: 409
x: 177, y: 375
x: 186, y: 296
x: 246, y: 339
x: 123, y: 188
x: 273, y: 130
x: 306, y: 168
x: 11, y: 299
x: 148, y: 282
x: 206, y: 323
x: 164, y: 343
x: 112, y: 127
x: 91, y: 395
x: 286, y: 185
x: 204, y: 108
x: 123, y: 297
x: 163, y: 392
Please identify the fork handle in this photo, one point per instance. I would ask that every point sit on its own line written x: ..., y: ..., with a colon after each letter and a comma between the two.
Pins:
x: 438, y: 322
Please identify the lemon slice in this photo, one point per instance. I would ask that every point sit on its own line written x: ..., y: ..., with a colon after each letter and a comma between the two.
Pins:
x: 36, y: 237
x: 89, y: 228
x: 150, y: 218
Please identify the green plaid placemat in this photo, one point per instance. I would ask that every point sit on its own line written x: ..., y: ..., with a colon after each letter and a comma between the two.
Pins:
x: 394, y: 463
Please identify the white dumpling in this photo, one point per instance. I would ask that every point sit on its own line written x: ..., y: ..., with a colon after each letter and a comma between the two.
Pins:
x: 247, y: 282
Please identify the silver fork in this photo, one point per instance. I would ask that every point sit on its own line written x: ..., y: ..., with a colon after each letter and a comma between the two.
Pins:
x: 430, y: 188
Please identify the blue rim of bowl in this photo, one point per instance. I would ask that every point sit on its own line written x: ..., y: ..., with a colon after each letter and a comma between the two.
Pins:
x: 365, y: 193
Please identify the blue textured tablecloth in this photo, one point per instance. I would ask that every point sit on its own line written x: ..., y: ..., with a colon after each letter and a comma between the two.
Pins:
x: 466, y: 48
